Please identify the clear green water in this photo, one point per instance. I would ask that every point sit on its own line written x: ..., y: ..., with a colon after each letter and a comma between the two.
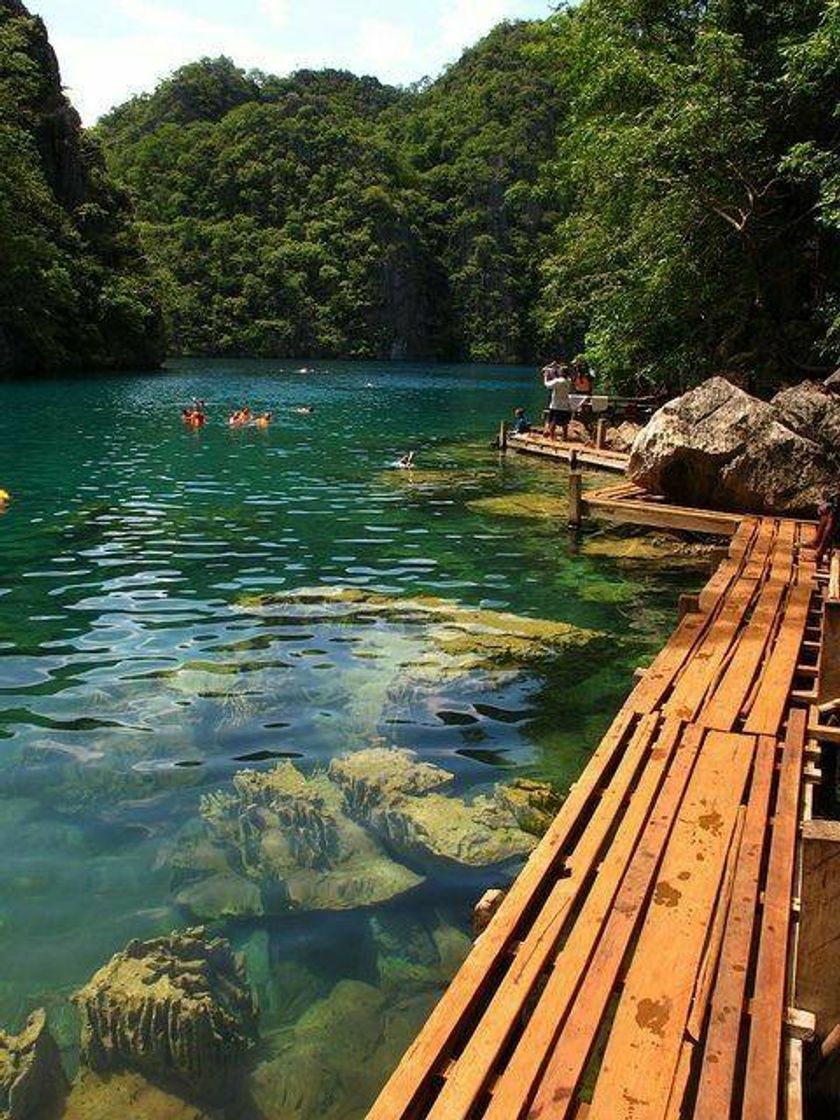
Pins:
x: 126, y: 550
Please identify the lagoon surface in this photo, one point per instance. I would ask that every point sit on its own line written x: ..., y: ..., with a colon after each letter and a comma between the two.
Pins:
x: 141, y: 669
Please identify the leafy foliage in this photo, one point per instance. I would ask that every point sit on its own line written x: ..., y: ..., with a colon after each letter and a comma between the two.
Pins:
x: 74, y: 287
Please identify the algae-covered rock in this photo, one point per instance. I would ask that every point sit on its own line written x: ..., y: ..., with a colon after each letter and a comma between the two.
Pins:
x: 527, y: 504
x: 369, y: 777
x: 660, y: 549
x: 177, y: 1008
x: 291, y: 836
x: 418, y: 821
x: 458, y: 638
x: 221, y: 896
x: 411, y: 956
x: 534, y: 805
x: 127, y: 1095
x: 32, y: 1082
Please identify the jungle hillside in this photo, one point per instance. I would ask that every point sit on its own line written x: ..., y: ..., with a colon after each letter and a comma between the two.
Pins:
x: 655, y: 182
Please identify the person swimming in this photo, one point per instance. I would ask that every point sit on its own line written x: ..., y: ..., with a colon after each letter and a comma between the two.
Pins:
x: 193, y: 416
x: 5, y: 498
x: 406, y: 462
x: 240, y: 417
x: 264, y: 421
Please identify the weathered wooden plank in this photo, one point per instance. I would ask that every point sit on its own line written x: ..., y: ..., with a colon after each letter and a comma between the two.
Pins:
x: 661, y: 516
x: 730, y: 568
x: 691, y: 687
x: 768, y: 709
x: 651, y: 689
x: 643, y: 1051
x: 515, y: 1084
x: 764, y: 1055
x: 466, y: 1078
x: 412, y: 1077
x: 716, y: 1086
x: 726, y: 701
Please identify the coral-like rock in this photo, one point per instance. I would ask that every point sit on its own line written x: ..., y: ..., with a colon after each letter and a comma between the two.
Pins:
x: 291, y: 835
x: 414, y: 957
x: 32, y: 1082
x: 176, y: 1008
x: 427, y: 823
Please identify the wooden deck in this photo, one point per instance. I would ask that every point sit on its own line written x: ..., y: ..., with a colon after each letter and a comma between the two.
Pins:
x: 641, y: 966
x: 630, y: 504
x: 600, y: 458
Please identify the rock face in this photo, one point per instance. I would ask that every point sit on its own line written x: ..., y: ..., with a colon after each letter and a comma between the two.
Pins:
x: 177, y: 1008
x: 76, y: 289
x: 32, y: 1082
x: 717, y: 446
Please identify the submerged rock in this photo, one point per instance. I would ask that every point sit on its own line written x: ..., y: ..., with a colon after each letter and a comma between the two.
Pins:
x: 292, y: 842
x: 127, y: 1095
x: 718, y: 447
x: 459, y: 639
x: 414, y: 957
x: 418, y: 821
x: 32, y: 1082
x: 523, y: 505
x: 176, y: 1008
x: 290, y: 838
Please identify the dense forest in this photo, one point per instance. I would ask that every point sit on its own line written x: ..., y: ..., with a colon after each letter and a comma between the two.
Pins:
x: 655, y: 180
x: 75, y: 287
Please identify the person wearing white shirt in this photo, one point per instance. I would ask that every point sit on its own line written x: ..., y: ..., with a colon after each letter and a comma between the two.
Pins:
x: 556, y: 378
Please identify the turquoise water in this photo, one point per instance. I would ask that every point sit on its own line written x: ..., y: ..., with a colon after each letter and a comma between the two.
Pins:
x: 136, y: 675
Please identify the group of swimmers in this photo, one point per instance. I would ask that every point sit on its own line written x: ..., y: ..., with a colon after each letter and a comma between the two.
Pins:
x: 195, y: 415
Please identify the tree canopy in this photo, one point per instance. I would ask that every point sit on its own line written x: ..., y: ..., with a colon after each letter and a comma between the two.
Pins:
x: 75, y: 289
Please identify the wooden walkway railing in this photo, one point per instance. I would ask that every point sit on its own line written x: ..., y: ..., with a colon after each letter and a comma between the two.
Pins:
x: 640, y: 966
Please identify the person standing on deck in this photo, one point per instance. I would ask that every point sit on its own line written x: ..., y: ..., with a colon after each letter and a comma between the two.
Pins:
x: 556, y: 378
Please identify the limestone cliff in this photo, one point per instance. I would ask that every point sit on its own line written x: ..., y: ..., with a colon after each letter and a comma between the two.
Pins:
x: 75, y: 288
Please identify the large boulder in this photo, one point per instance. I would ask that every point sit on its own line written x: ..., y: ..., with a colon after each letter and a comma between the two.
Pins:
x: 718, y: 447
x: 176, y: 1008
x: 32, y: 1082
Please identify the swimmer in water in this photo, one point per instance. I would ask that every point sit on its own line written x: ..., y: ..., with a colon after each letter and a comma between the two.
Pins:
x: 264, y: 420
x: 407, y: 462
x: 239, y: 417
x: 5, y: 498
x: 193, y: 417
x: 304, y: 409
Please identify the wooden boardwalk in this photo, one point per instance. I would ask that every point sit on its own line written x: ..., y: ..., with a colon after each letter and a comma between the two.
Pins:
x: 600, y: 458
x: 641, y: 965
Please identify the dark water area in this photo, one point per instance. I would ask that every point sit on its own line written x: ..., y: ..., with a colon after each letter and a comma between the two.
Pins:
x: 139, y: 671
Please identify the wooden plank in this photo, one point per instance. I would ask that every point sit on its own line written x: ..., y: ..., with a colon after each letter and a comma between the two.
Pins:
x: 660, y: 979
x: 717, y: 1077
x: 728, y: 570
x: 512, y: 1089
x: 834, y: 575
x: 413, y: 1075
x: 643, y: 1050
x: 694, y: 682
x: 662, y: 516
x: 467, y: 1077
x: 651, y: 689
x: 768, y: 709
x: 711, y: 954
x: 724, y: 705
x: 764, y: 1055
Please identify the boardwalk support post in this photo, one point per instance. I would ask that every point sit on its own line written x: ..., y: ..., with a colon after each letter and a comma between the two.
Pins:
x: 575, y: 493
x: 503, y: 430
x: 600, y: 434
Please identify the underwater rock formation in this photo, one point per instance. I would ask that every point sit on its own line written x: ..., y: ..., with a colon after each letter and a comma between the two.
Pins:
x: 130, y: 1095
x: 176, y: 1008
x: 420, y: 822
x: 459, y: 638
x: 279, y: 840
x: 340, y: 1050
x: 32, y: 1082
x: 414, y: 957
x: 288, y: 839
